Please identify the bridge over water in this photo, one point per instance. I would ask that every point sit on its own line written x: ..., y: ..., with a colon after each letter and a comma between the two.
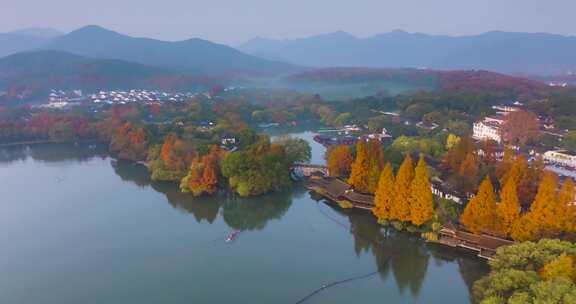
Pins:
x: 307, y: 170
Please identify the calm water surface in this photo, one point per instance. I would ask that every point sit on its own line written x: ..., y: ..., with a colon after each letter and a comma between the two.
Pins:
x: 79, y: 227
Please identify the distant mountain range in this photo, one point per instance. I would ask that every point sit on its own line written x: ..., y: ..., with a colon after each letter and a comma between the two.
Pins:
x: 527, y: 53
x: 190, y: 56
x: 28, y: 75
x: 40, y: 32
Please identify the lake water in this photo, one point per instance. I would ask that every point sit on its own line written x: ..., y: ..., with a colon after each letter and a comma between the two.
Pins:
x: 77, y: 226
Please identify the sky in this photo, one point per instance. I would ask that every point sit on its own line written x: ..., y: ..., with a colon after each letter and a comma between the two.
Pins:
x: 234, y: 21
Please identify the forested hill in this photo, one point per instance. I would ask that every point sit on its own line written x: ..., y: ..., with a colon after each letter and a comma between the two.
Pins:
x: 35, y: 73
x: 529, y: 53
x: 346, y: 83
x: 194, y: 55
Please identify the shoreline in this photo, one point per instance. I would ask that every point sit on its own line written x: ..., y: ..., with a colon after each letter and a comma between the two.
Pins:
x: 43, y: 142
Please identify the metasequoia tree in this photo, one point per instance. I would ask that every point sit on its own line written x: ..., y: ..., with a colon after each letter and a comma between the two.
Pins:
x: 384, y: 196
x: 402, y: 185
x: 480, y: 212
x: 421, y: 204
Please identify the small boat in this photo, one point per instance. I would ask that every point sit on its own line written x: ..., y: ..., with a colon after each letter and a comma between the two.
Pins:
x: 232, y: 236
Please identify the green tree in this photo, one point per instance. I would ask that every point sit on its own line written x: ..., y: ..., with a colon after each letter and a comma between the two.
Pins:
x: 297, y: 150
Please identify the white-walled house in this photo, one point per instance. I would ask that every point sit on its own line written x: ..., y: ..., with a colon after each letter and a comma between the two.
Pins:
x: 487, y: 129
x: 561, y: 157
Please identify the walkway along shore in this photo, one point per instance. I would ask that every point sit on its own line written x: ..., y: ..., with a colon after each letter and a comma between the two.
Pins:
x: 343, y: 193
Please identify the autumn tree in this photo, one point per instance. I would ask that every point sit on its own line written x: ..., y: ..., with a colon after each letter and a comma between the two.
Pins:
x: 202, y: 177
x: 468, y: 174
x: 544, y: 211
x: 508, y: 210
x: 520, y: 127
x: 505, y: 164
x: 384, y: 196
x: 210, y: 174
x: 421, y: 204
x: 526, y: 176
x: 480, y: 212
x: 457, y: 154
x: 451, y: 141
x: 402, y: 185
x: 567, y: 214
x: 375, y: 164
x: 338, y: 160
x: 360, y: 168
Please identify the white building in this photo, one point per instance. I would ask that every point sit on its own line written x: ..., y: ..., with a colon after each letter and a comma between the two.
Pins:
x: 487, y: 130
x: 561, y: 157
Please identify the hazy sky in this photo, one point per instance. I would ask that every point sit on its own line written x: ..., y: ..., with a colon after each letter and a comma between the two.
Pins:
x: 234, y: 21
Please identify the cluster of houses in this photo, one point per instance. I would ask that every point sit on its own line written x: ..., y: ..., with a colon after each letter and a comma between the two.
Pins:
x: 560, y: 161
x: 491, y: 126
x: 138, y: 96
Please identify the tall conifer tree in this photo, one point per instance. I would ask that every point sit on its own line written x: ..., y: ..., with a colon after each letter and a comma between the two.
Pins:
x: 421, y: 204
x: 544, y: 211
x: 375, y: 163
x: 568, y: 210
x: 360, y: 168
x: 384, y: 199
x: 480, y: 212
x: 509, y: 207
x: 402, y: 184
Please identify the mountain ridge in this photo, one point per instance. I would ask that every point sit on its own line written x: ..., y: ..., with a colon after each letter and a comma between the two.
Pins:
x: 507, y: 52
x: 191, y: 55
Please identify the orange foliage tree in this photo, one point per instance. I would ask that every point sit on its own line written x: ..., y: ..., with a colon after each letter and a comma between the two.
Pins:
x: 480, y: 212
x: 203, y: 175
x: 402, y: 185
x: 520, y: 127
x: 508, y: 211
x: 384, y: 196
x: 542, y: 218
x: 338, y: 160
x: 360, y: 168
x: 420, y: 201
x: 375, y: 164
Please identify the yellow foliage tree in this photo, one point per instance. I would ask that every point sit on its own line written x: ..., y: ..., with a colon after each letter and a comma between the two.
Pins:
x: 451, y: 141
x: 402, y: 185
x: 360, y: 168
x: 566, y: 204
x: 508, y: 209
x: 375, y: 164
x: 384, y: 198
x: 421, y: 204
x: 480, y: 212
x: 543, y: 214
x: 562, y: 266
x: 523, y: 229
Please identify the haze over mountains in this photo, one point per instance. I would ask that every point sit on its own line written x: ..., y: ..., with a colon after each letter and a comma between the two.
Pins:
x: 36, y: 72
x: 93, y: 57
x: 526, y: 53
x: 191, y: 56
